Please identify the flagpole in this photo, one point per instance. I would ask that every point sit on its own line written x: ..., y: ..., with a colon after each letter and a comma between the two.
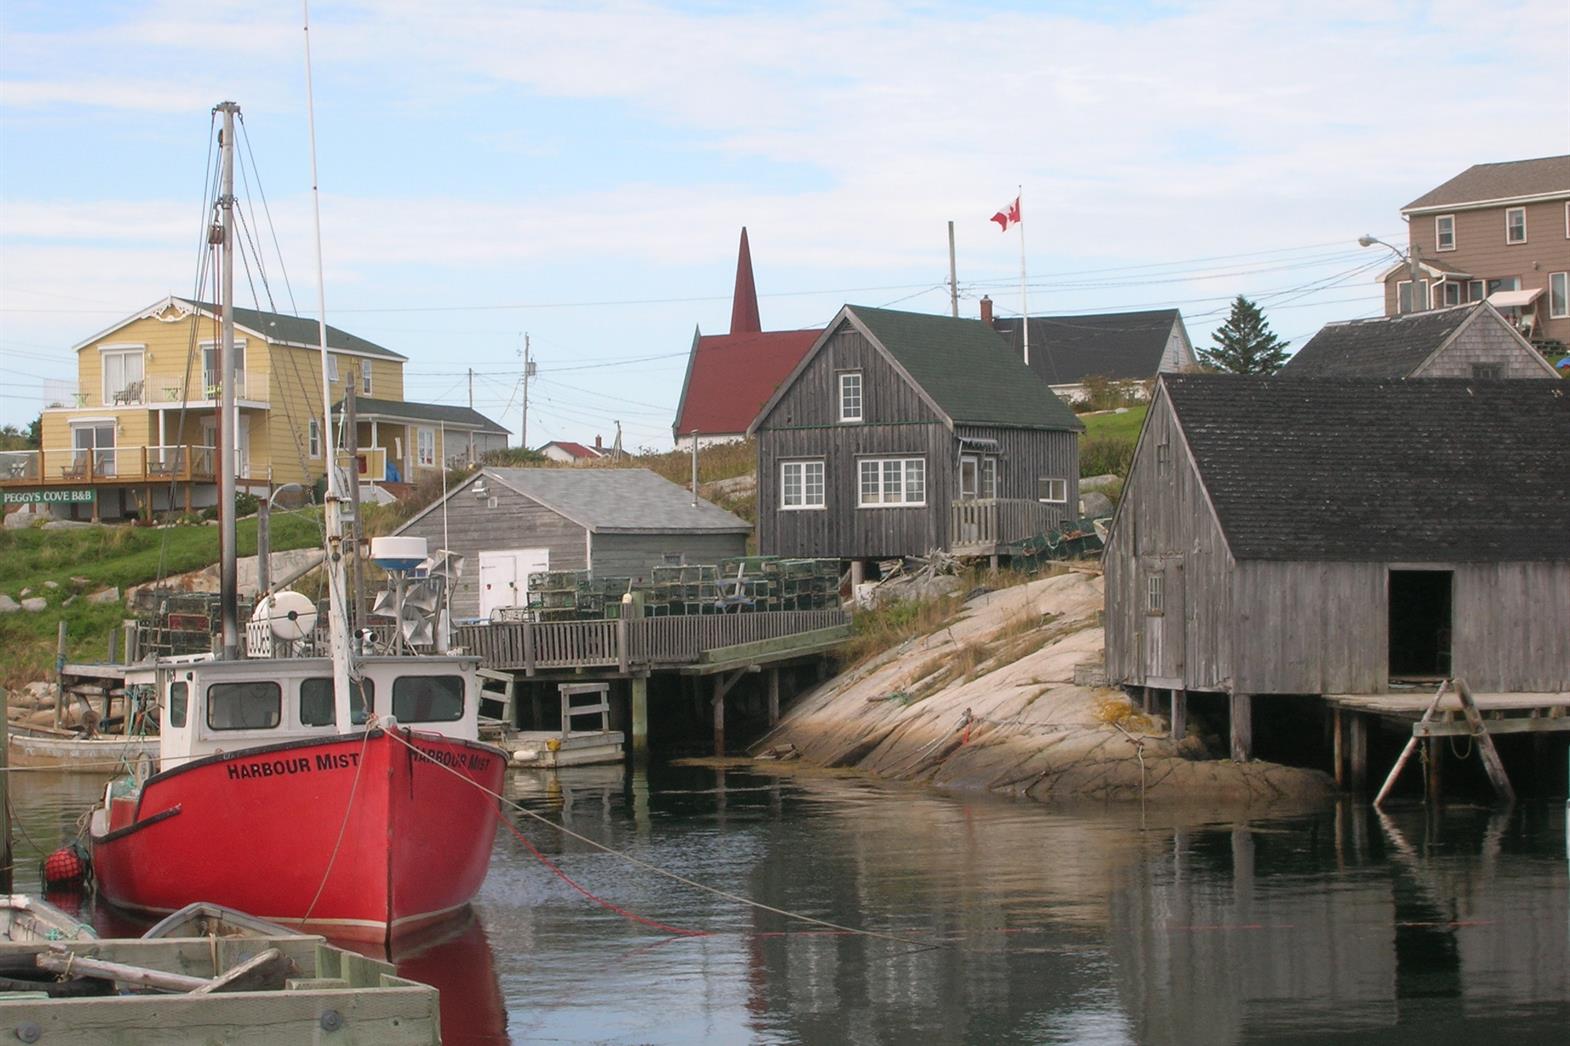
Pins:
x: 1024, y: 306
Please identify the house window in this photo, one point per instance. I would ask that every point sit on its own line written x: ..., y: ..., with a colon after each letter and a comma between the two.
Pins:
x: 1487, y: 371
x: 122, y: 373
x: 1474, y: 290
x: 332, y: 367
x: 1155, y: 594
x: 801, y: 484
x: 1164, y: 454
x: 1404, y: 296
x: 978, y: 477
x: 850, y: 396
x: 313, y: 438
x: 1504, y: 283
x: 1515, y: 225
x: 1567, y: 221
x: 1445, y: 232
x: 1451, y: 292
x: 365, y: 379
x: 989, y: 477
x: 1558, y: 295
x: 1052, y: 490
x: 94, y: 446
x: 892, y: 481
x: 212, y: 374
x: 425, y: 446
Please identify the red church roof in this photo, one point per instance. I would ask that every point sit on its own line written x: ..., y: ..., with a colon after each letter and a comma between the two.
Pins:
x: 731, y: 376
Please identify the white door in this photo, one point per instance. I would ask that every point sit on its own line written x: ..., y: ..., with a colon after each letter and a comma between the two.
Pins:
x: 504, y: 576
x: 242, y: 449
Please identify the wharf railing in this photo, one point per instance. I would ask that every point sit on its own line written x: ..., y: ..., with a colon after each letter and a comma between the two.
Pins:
x: 983, y: 525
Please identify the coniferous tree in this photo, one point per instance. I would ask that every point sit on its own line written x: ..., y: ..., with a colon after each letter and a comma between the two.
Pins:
x: 1245, y: 343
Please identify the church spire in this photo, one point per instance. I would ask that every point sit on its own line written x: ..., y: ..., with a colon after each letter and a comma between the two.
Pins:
x: 744, y: 307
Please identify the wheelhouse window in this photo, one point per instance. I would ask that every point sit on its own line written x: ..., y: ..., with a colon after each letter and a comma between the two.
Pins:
x: 1445, y: 232
x: 178, y: 698
x: 122, y: 374
x: 892, y: 482
x: 1515, y: 225
x: 427, y: 699
x: 254, y: 705
x: 425, y: 445
x: 316, y: 701
x: 801, y: 484
x: 1558, y: 295
x: 1052, y: 490
x: 850, y: 396
x: 1155, y: 594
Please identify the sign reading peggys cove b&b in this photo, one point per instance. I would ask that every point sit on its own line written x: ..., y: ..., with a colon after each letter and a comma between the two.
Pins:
x: 49, y: 497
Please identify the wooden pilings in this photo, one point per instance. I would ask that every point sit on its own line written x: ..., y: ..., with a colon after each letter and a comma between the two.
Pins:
x: 1179, y: 714
x: 639, y: 700
x: 774, y: 696
x: 1357, y: 751
x: 1242, y: 724
x: 719, y: 715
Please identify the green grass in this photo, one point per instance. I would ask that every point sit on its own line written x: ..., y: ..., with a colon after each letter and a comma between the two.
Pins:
x: 105, y: 556
x: 1124, y: 425
x: 1107, y: 445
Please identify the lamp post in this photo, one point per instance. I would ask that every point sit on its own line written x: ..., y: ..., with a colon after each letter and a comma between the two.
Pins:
x: 264, y: 539
x: 1414, y: 267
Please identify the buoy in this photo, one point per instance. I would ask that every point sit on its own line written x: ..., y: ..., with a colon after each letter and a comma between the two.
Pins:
x: 66, y: 867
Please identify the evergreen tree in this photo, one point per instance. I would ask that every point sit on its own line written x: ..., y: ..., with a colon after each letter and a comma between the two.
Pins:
x: 1245, y: 343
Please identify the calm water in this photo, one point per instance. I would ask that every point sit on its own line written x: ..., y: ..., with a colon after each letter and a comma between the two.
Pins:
x: 1015, y: 923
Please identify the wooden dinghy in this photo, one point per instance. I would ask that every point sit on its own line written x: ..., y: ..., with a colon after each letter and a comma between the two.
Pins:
x: 69, y: 753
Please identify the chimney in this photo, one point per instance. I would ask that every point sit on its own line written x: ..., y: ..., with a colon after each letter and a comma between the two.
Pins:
x: 597, y: 444
x: 986, y: 310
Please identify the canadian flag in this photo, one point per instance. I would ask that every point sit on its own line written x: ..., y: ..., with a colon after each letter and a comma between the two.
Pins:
x: 1008, y: 216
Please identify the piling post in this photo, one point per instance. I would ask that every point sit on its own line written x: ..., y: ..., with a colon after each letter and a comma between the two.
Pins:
x: 60, y: 673
x: 719, y: 715
x: 5, y: 801
x: 1242, y: 723
x: 1179, y: 714
x: 640, y: 718
x: 1358, y: 751
x: 1436, y: 751
x: 1336, y: 755
x: 774, y: 696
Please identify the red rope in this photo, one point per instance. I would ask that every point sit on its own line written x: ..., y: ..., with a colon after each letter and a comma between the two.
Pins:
x: 602, y: 902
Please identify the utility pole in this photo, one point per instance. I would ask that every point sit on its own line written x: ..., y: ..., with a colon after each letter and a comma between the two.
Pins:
x: 953, y: 277
x: 471, y: 431
x: 528, y: 372
x: 229, y: 600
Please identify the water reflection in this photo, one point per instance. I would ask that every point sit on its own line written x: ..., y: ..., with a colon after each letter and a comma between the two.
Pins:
x: 1000, y: 921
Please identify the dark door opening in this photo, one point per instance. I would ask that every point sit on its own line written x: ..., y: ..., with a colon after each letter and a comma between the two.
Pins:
x: 1420, y: 623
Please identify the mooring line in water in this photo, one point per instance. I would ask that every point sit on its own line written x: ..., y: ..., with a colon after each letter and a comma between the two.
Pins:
x: 657, y: 870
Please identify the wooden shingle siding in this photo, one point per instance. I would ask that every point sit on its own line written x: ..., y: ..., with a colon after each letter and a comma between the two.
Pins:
x: 632, y: 555
x: 813, y: 399
x: 1024, y: 456
x: 1489, y: 343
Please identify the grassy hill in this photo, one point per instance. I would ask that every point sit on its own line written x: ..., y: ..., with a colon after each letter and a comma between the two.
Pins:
x: 1107, y: 444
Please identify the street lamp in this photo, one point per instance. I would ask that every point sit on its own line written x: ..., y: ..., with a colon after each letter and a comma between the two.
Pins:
x: 1414, y: 266
x: 264, y: 539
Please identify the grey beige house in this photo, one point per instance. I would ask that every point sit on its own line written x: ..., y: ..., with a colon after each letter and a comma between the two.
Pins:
x: 510, y: 523
x: 1316, y: 536
x: 1130, y: 347
x: 1496, y: 231
x: 1465, y: 341
x: 899, y: 433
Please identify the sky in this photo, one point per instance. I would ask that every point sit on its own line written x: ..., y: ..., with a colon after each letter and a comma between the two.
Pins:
x: 579, y: 172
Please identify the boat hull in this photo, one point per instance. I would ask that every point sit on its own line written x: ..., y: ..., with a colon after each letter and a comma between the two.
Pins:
x: 364, y: 836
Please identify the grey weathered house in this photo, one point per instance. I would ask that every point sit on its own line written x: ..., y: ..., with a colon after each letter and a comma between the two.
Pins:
x: 1468, y: 341
x: 509, y: 523
x: 899, y: 433
x: 1300, y: 536
x: 1128, y: 347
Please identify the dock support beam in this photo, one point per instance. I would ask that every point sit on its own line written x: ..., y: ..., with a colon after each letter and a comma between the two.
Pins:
x: 1337, y: 757
x: 1357, y: 745
x: 719, y: 716
x: 774, y: 696
x: 1242, y: 721
x: 640, y: 718
x: 1179, y: 714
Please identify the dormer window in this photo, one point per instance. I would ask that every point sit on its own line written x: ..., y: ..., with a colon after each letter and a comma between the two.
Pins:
x: 850, y: 395
x: 1445, y: 232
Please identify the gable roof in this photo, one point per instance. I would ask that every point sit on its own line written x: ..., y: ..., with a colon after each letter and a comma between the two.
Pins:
x: 965, y: 369
x: 1384, y: 347
x: 619, y: 501
x: 577, y: 450
x: 301, y: 332
x: 731, y: 376
x: 1499, y: 182
x: 1438, y: 470
x: 439, y: 413
x: 1065, y: 350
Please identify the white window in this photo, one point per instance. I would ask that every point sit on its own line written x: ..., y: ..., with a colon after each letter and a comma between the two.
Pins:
x: 850, y: 396
x: 1052, y: 490
x: 313, y: 438
x: 1474, y: 290
x: 1515, y: 225
x: 122, y: 373
x: 1445, y: 232
x: 93, y: 442
x: 801, y: 484
x: 978, y: 477
x: 1404, y: 296
x: 1451, y: 292
x: 892, y: 481
x: 1567, y: 221
x: 365, y: 378
x: 332, y: 367
x: 1504, y: 283
x: 1558, y: 295
x: 211, y: 374
x: 1155, y: 596
x: 989, y: 477
x: 425, y: 446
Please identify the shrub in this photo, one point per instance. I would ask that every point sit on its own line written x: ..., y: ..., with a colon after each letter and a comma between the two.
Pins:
x: 1099, y: 455
x: 245, y: 505
x: 1104, y: 393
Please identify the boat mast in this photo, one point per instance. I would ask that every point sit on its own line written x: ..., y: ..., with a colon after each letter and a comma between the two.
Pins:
x: 228, y: 461
x: 337, y: 609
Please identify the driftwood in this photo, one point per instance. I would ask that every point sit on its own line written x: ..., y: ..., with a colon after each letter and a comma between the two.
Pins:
x: 63, y: 961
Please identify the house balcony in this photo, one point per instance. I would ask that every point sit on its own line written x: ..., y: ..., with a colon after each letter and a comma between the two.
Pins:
x: 160, y: 393
x: 989, y: 526
x: 117, y: 466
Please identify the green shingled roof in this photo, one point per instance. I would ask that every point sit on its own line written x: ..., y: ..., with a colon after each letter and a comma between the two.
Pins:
x: 405, y: 410
x: 968, y: 369
x: 297, y: 330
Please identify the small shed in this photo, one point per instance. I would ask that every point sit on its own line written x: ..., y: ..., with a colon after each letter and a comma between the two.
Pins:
x: 1467, y: 341
x: 508, y: 523
x: 1318, y: 536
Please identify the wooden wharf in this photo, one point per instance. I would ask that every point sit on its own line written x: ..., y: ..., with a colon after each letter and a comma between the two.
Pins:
x: 722, y: 648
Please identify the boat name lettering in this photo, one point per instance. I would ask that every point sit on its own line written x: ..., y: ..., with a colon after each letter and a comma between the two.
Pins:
x: 466, y: 760
x: 271, y: 768
x: 337, y: 760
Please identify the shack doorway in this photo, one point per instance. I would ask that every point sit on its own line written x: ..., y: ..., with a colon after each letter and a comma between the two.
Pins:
x: 1420, y: 623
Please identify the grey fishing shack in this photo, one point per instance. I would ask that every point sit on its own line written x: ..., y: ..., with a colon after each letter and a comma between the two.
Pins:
x: 1331, y: 536
x: 510, y: 523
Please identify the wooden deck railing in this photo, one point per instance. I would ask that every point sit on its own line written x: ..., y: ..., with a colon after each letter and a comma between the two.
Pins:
x: 985, y: 524
x: 631, y: 645
x: 19, y: 468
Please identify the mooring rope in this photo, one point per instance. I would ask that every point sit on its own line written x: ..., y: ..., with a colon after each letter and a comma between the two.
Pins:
x: 657, y: 870
x: 343, y: 827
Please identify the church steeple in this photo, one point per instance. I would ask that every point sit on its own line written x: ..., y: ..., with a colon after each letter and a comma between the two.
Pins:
x: 744, y: 306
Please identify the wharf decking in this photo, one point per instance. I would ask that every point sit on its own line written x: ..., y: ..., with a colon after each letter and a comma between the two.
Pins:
x: 1502, y: 713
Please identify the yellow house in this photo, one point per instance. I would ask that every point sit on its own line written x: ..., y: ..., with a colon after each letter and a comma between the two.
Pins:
x: 140, y: 434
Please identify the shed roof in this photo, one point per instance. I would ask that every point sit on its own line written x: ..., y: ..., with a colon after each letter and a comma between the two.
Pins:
x: 1065, y: 350
x: 1405, y: 471
x: 967, y: 369
x: 436, y: 413
x: 1493, y: 182
x: 619, y: 501
x: 1383, y: 347
x: 731, y: 376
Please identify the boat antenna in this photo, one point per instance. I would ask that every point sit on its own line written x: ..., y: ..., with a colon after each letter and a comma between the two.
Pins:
x: 337, y: 610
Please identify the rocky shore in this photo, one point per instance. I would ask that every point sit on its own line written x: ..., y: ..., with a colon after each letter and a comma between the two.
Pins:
x: 989, y: 703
